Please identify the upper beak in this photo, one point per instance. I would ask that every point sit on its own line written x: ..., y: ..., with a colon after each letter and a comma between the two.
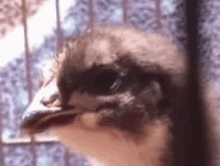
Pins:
x: 40, y: 116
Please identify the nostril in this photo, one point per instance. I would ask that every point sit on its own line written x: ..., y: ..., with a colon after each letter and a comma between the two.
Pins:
x: 48, y: 100
x: 45, y: 102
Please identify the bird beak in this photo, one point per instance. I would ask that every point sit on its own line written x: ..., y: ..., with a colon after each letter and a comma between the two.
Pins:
x: 45, y: 111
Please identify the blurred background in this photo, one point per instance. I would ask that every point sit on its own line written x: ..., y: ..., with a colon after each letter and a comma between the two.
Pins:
x: 32, y: 30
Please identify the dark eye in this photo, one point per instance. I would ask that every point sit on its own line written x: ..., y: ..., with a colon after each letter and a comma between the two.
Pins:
x: 104, y: 82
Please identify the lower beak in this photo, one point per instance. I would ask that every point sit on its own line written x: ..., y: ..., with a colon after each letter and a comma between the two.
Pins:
x: 39, y: 121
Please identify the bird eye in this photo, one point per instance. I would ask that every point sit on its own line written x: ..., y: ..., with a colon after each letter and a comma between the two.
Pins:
x: 105, y: 82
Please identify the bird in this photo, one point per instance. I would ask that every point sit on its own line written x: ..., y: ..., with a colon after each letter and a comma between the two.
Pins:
x: 113, y: 94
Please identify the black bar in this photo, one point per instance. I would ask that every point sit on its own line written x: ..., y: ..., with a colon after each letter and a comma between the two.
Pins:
x: 197, y: 142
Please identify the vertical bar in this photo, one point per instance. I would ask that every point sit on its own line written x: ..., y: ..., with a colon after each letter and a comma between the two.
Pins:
x: 1, y: 143
x: 58, y: 46
x: 27, y: 53
x: 67, y: 157
x: 33, y: 150
x: 198, y: 142
x: 91, y: 14
x: 28, y: 73
x: 58, y: 32
x: 125, y: 12
x: 158, y: 28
